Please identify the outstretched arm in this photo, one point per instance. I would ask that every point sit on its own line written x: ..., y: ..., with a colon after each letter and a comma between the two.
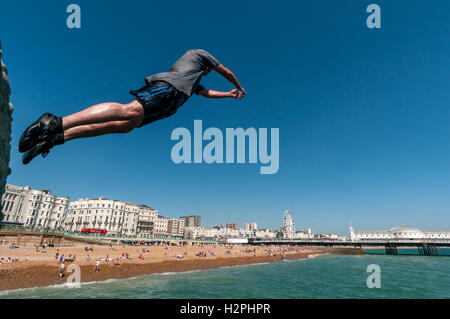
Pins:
x: 236, y: 94
x: 227, y: 74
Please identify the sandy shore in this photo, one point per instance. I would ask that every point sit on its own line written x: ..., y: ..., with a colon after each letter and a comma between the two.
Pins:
x: 36, y: 269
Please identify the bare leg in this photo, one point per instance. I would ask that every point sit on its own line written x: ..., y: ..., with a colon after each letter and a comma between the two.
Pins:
x: 92, y: 130
x: 106, y: 112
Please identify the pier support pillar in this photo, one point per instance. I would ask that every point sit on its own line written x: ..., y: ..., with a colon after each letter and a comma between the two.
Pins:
x: 391, y: 249
x: 429, y: 250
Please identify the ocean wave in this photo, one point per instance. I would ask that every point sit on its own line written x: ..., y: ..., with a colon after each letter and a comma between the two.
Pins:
x: 60, y: 286
x: 174, y: 272
x: 317, y: 255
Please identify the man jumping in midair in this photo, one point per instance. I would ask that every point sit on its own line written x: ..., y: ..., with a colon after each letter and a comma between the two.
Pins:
x: 161, y: 97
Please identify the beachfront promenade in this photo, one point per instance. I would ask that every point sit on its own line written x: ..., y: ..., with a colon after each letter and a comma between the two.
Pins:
x: 64, y: 238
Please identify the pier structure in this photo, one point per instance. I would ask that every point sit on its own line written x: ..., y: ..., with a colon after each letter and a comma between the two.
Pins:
x: 425, y: 247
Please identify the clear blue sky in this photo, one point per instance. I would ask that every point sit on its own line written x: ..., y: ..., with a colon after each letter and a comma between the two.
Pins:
x: 363, y: 113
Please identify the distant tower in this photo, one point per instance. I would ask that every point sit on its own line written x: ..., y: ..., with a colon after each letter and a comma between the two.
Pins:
x: 352, y: 233
x: 289, y: 227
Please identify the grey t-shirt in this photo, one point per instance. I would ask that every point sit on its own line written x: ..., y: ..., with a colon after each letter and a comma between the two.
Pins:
x: 186, y: 73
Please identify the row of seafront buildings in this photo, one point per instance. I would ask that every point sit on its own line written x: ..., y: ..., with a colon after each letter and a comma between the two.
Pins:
x: 41, y: 209
x: 37, y: 208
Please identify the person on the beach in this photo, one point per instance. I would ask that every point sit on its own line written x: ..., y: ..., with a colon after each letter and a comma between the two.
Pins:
x: 61, y: 270
x: 97, y: 265
x: 161, y: 97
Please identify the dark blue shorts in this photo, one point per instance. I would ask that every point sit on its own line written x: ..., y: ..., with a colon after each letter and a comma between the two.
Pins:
x: 159, y: 99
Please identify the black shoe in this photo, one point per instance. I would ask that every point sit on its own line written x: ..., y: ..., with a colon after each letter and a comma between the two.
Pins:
x: 42, y: 147
x: 47, y: 125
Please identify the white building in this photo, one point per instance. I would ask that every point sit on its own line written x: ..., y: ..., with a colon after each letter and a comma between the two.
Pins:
x: 223, y: 232
x: 251, y: 226
x: 37, y: 208
x: 171, y: 227
x: 161, y: 228
x: 399, y: 232
x: 304, y: 235
x: 147, y: 217
x: 206, y: 233
x: 265, y: 233
x: 116, y: 217
x: 191, y: 232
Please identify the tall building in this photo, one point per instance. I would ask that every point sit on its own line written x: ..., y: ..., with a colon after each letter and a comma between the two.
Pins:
x: 233, y: 226
x: 175, y: 227
x: 191, y: 221
x: 251, y: 227
x: 170, y: 227
x: 37, y: 208
x: 116, y: 217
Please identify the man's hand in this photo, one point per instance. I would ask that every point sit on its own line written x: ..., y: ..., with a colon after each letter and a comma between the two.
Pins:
x: 242, y: 90
x: 237, y: 94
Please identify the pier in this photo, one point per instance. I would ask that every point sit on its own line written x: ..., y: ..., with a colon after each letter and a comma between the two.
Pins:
x: 391, y: 247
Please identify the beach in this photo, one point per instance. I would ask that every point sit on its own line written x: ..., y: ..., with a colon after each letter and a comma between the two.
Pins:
x: 24, y: 267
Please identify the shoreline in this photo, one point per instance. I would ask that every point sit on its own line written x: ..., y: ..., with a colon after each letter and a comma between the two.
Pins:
x: 33, y: 276
x: 42, y: 268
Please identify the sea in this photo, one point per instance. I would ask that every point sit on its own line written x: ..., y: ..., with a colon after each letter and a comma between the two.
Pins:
x: 320, y: 276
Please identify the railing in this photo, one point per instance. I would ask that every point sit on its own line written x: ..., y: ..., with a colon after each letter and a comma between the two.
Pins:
x: 95, y: 236
x: 27, y: 228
